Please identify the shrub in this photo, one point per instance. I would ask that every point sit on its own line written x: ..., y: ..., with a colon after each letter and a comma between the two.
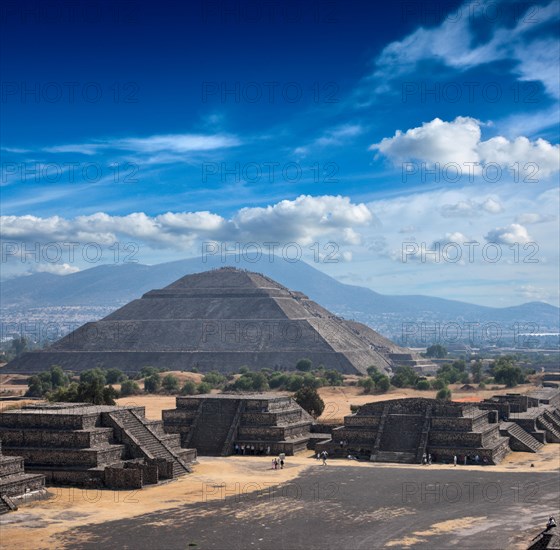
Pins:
x: 304, y: 365
x: 189, y: 388
x: 311, y: 381
x: 482, y: 386
x: 130, y: 387
x: 203, y: 387
x: 423, y: 385
x: 438, y: 384
x: 40, y: 384
x: 114, y: 376
x: 277, y: 380
x: 367, y: 383
x: 444, y: 393
x: 436, y: 350
x: 145, y: 372
x: 215, y: 379
x: 243, y: 370
x: 383, y: 383
x: 170, y: 383
x: 294, y: 382
x: 152, y: 383
x: 308, y: 399
x: 334, y: 378
x: 404, y: 376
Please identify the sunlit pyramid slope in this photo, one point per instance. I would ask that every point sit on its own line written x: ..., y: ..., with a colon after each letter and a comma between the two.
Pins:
x: 217, y: 320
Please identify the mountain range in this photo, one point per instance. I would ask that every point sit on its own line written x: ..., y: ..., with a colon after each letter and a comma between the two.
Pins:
x: 111, y: 286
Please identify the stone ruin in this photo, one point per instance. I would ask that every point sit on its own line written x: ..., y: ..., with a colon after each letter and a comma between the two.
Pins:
x: 15, y: 484
x: 402, y: 430
x: 529, y: 420
x: 93, y: 445
x: 548, y: 539
x: 215, y: 423
x: 220, y: 320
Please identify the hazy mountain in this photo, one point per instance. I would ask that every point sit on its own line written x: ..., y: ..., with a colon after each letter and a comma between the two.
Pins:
x: 113, y: 285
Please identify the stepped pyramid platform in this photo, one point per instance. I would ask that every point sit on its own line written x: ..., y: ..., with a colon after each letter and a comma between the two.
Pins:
x: 536, y: 413
x: 402, y: 430
x: 218, y: 320
x: 215, y: 424
x: 15, y: 484
x: 93, y: 445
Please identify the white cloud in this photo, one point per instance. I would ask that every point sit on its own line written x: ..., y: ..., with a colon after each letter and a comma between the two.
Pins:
x: 459, y: 142
x: 57, y: 269
x: 471, y: 208
x: 454, y: 44
x: 302, y: 220
x: 528, y: 218
x: 513, y: 233
x: 334, y: 136
x: 169, y: 143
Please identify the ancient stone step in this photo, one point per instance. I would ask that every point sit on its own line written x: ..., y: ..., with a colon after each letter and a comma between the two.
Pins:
x: 520, y: 437
x: 552, y: 434
x: 394, y: 456
x: 147, y: 441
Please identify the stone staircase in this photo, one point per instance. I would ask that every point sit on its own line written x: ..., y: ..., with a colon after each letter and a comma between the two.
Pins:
x: 6, y: 504
x: 145, y: 441
x: 424, y: 436
x: 519, y: 438
x: 212, y: 426
x: 552, y: 432
x: 379, y: 435
x: 395, y: 456
x: 232, y: 433
x: 552, y: 418
x: 188, y: 439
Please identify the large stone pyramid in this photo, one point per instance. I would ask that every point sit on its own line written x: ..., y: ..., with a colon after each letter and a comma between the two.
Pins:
x: 217, y: 320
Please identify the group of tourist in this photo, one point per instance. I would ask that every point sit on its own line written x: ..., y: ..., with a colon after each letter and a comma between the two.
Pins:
x: 428, y: 458
x: 251, y: 449
x: 278, y: 463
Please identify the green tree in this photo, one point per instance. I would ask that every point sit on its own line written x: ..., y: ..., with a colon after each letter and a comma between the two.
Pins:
x: 304, y: 365
x: 19, y: 346
x: 189, y: 388
x: 404, y: 376
x: 448, y: 374
x: 423, y: 385
x: 130, y: 387
x: 204, y: 387
x: 372, y: 371
x: 97, y: 374
x: 476, y: 370
x: 294, y: 382
x: 215, y: 379
x: 383, y: 384
x: 147, y: 371
x: 368, y: 384
x: 506, y: 372
x: 334, y: 378
x: 308, y: 399
x: 444, y: 393
x: 170, y: 383
x: 459, y: 365
x: 436, y: 350
x: 114, y: 376
x: 438, y: 384
x: 152, y: 383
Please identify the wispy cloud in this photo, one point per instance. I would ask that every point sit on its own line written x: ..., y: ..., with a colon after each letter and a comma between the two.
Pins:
x: 170, y: 143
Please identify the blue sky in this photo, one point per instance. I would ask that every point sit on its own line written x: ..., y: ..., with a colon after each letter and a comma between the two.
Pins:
x: 388, y: 130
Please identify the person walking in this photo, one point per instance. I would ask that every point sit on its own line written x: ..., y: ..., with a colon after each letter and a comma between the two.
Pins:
x: 324, y: 456
x: 454, y: 460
